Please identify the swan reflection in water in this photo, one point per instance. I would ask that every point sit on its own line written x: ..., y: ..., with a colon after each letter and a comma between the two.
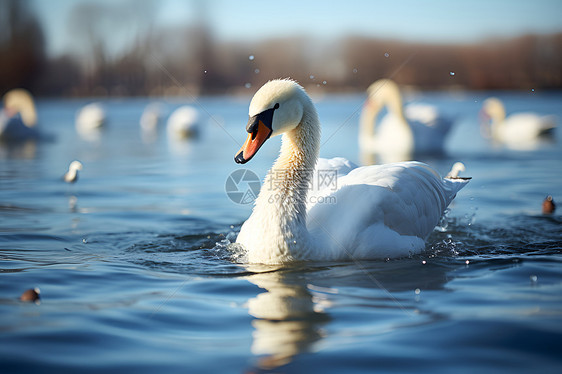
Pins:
x: 293, y: 313
x: 288, y: 318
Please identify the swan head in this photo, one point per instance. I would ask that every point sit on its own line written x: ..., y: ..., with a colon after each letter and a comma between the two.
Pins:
x: 276, y: 108
x: 493, y: 108
x: 21, y: 101
x: 75, y: 165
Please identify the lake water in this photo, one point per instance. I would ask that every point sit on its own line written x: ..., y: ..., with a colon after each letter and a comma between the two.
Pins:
x: 135, y: 276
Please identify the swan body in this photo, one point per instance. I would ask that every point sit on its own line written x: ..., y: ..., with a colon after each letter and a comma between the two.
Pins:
x: 371, y: 212
x: 90, y: 120
x: 183, y: 123
x: 18, y: 118
x: 404, y: 131
x: 516, y: 128
x: 71, y: 176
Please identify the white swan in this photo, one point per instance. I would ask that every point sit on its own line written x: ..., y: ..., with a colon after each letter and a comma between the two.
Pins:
x: 372, y: 212
x: 183, y: 123
x: 150, y: 121
x: 90, y: 120
x: 18, y: 118
x: 71, y: 176
x: 417, y: 129
x: 515, y: 129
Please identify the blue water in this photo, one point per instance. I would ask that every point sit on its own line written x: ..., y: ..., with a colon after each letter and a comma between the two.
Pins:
x: 135, y: 274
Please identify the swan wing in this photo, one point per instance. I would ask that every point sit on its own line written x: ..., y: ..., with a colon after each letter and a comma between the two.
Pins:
x: 382, y: 210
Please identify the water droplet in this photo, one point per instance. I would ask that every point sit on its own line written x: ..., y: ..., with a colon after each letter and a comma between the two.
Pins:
x: 387, y: 54
x: 251, y: 58
x: 311, y: 77
x: 256, y: 71
x: 417, y: 291
x: 354, y: 71
x: 451, y: 73
x: 248, y: 85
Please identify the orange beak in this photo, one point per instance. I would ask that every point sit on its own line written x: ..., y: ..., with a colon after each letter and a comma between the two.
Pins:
x: 253, y: 143
x: 259, y: 130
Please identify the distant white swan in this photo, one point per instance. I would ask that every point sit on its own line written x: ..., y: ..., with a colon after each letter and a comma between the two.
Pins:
x: 18, y: 118
x: 183, y: 123
x: 370, y: 212
x: 518, y: 128
x: 150, y: 121
x: 417, y: 129
x: 71, y: 176
x: 90, y: 120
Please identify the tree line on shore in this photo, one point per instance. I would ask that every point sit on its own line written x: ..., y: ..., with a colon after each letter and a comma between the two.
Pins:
x: 188, y: 60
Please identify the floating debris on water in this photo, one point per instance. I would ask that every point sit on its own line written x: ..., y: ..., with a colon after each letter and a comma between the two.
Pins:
x: 548, y: 206
x: 31, y: 295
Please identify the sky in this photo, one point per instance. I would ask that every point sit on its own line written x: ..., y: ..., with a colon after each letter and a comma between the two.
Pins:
x: 429, y: 21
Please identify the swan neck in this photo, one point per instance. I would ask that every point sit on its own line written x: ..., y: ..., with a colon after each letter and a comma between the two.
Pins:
x: 281, y: 204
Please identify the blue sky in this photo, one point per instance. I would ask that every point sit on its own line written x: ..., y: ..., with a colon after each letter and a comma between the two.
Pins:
x: 438, y: 21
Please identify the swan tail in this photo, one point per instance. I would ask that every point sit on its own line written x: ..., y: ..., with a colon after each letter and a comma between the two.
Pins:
x: 455, y: 171
x: 548, y: 124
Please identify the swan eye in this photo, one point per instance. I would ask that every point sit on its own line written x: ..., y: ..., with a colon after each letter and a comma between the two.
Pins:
x: 276, y: 106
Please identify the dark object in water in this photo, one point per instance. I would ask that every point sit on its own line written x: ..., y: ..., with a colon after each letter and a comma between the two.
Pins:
x: 31, y: 295
x: 548, y: 206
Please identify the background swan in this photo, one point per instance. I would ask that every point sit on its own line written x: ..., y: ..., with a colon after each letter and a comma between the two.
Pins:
x: 516, y: 128
x: 403, y: 132
x: 71, y: 176
x: 378, y: 212
x: 18, y: 118
x: 90, y: 120
x: 150, y: 121
x: 183, y: 123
